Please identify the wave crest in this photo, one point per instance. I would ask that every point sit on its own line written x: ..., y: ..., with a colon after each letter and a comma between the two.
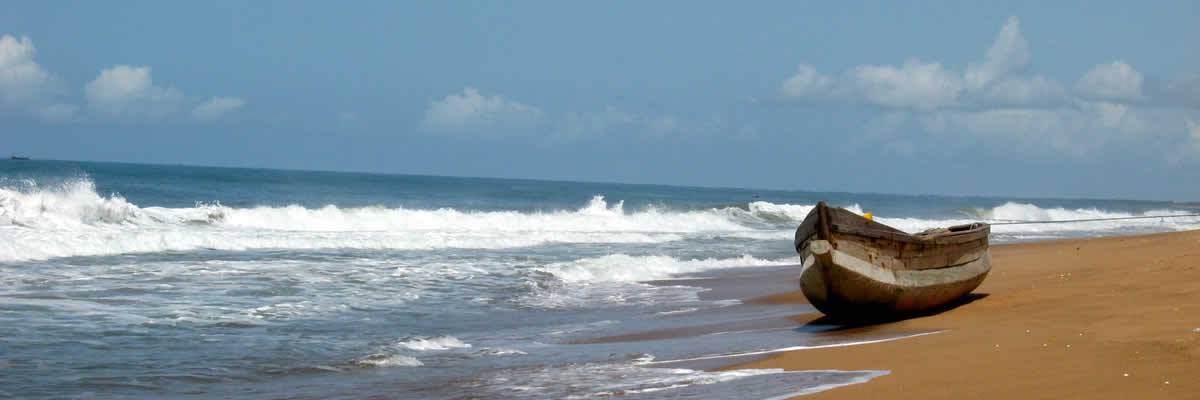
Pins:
x: 433, y: 343
x: 626, y: 268
x: 72, y: 219
x: 388, y: 360
x: 1011, y: 211
x: 75, y: 203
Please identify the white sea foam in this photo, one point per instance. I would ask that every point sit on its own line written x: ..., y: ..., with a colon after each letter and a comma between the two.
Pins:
x: 434, y: 343
x: 392, y: 355
x: 793, y: 348
x: 626, y: 268
x: 76, y: 204
x: 684, y: 310
x: 388, y: 360
x: 596, y: 380
x: 72, y: 219
x: 854, y: 380
x: 501, y: 351
x: 1030, y: 212
x: 1077, y: 221
x: 789, y: 212
x: 615, y: 279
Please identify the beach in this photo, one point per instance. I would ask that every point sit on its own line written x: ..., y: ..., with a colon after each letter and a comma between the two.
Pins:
x: 1100, y: 318
x: 146, y: 282
x: 565, y: 200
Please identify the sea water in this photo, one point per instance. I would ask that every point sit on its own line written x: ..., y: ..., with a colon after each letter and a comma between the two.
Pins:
x: 154, y: 281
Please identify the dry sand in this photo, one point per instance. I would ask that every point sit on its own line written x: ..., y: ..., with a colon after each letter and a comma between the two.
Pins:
x: 1106, y: 318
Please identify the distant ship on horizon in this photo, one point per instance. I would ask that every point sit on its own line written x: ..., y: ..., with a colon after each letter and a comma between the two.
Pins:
x: 19, y: 158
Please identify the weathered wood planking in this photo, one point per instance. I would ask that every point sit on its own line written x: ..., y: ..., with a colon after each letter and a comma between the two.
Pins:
x: 855, y: 267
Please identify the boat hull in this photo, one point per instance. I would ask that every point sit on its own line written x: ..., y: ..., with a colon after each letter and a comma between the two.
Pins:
x: 842, y: 285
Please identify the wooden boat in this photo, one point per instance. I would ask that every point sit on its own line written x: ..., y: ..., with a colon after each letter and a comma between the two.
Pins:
x: 856, y: 268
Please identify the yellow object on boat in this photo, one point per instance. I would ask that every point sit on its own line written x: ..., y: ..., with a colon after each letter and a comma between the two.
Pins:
x: 869, y: 216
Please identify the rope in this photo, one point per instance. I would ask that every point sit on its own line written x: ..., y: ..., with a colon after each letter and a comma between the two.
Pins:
x: 1019, y: 222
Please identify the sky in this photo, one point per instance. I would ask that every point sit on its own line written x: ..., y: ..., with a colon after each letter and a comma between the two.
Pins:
x: 1093, y: 99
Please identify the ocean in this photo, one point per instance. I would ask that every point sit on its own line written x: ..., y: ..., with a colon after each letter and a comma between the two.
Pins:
x: 156, y: 281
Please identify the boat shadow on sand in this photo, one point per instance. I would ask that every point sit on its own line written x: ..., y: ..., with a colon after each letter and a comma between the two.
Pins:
x: 826, y: 324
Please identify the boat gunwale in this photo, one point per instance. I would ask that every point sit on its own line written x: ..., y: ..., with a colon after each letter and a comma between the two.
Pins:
x: 875, y: 230
x: 939, y: 238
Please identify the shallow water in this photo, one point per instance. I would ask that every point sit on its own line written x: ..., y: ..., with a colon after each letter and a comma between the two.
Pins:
x: 133, y: 281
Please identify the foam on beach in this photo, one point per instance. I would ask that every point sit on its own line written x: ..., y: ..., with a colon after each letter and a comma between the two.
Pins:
x: 594, y: 380
x: 790, y: 348
x: 627, y: 268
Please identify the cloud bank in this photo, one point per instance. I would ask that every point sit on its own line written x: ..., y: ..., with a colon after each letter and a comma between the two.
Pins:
x: 120, y: 92
x: 474, y: 112
x: 1000, y: 97
x: 26, y: 87
x: 1116, y: 81
x: 217, y: 107
x: 128, y: 92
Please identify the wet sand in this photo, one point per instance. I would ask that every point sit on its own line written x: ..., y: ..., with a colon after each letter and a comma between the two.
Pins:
x: 1105, y: 318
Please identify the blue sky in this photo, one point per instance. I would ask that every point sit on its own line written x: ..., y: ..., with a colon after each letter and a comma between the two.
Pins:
x: 1093, y: 99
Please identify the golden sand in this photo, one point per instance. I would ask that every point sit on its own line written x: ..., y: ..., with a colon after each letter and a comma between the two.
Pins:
x: 1106, y: 318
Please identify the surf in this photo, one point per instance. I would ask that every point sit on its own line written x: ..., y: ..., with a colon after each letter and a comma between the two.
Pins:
x: 72, y: 219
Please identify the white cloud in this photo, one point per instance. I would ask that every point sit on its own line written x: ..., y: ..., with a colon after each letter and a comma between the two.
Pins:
x: 1116, y: 116
x: 913, y: 85
x: 1009, y: 54
x: 1000, y: 80
x: 1000, y: 98
x: 1076, y: 129
x: 917, y: 85
x: 1050, y: 129
x: 122, y: 91
x: 129, y: 92
x: 806, y: 82
x: 20, y: 76
x: 472, y: 111
x: 1023, y: 90
x: 24, y: 85
x: 1114, y: 81
x: 216, y: 108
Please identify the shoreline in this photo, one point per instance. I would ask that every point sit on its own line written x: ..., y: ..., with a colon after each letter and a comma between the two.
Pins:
x: 1109, y: 317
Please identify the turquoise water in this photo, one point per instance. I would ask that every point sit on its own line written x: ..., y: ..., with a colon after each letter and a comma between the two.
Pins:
x: 150, y: 281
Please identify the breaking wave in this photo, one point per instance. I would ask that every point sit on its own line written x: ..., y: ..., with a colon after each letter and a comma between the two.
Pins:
x: 388, y: 360
x: 434, y: 343
x: 72, y: 219
x: 616, y: 279
x: 1028, y: 212
x: 626, y: 268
